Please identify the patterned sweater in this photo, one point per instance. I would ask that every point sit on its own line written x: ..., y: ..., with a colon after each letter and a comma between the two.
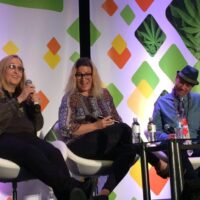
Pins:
x: 77, y: 109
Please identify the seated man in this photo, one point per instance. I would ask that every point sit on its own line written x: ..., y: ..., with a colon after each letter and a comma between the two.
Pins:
x: 180, y: 108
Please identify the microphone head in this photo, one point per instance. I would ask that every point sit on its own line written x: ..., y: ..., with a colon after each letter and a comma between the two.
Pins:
x: 169, y: 129
x: 28, y: 81
x: 166, y: 126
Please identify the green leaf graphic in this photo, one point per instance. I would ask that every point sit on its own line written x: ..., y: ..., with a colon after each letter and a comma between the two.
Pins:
x: 185, y: 16
x: 150, y: 35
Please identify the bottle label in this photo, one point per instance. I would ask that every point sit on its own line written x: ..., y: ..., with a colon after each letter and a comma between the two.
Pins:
x: 151, y: 128
x: 136, y: 129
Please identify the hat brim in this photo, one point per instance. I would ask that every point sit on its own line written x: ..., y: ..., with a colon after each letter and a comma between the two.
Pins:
x: 188, y: 80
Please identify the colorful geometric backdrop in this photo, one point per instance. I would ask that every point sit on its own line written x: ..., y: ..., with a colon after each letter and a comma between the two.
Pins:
x: 137, y: 45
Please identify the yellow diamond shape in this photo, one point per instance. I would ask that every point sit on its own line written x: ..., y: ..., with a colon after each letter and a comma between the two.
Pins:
x: 52, y: 59
x: 137, y: 103
x: 145, y: 88
x: 119, y: 44
x: 10, y: 48
x: 135, y: 172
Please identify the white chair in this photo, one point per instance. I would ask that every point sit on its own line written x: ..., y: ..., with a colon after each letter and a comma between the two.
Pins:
x: 82, y: 169
x: 9, y: 172
x: 195, y: 162
x: 79, y: 167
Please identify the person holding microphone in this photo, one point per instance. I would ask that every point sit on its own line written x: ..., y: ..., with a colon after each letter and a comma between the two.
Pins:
x: 20, y: 119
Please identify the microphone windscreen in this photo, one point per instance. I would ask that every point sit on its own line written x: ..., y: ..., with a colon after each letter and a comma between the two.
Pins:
x: 166, y: 126
x: 169, y: 129
x: 28, y: 81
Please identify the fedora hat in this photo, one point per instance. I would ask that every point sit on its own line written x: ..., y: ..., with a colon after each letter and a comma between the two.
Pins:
x: 189, y: 74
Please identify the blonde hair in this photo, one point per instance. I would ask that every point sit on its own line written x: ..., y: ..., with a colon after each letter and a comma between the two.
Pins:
x: 3, y: 67
x: 71, y: 86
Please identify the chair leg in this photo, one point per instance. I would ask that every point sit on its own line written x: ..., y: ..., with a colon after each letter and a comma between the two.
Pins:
x: 95, y: 186
x: 14, y: 193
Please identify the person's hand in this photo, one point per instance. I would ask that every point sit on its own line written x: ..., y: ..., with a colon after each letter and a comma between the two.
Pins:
x: 35, y: 98
x: 26, y: 93
x: 103, y: 123
x: 171, y: 136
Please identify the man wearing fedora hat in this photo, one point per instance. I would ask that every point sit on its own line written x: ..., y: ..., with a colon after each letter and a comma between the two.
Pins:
x: 180, y: 108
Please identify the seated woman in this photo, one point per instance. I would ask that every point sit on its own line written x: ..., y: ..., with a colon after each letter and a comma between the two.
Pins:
x: 92, y: 126
x: 20, y: 119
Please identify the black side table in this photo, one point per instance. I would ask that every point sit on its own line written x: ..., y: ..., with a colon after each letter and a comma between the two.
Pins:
x: 176, y: 181
x: 173, y: 148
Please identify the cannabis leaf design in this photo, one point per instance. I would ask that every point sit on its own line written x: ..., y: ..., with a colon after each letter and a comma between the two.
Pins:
x: 185, y: 17
x: 150, y: 35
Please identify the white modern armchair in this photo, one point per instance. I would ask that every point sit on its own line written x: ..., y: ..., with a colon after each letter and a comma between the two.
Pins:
x: 79, y: 167
x: 9, y: 172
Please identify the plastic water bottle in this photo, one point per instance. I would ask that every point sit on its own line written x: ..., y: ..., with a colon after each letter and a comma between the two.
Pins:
x: 151, y: 128
x: 135, y: 131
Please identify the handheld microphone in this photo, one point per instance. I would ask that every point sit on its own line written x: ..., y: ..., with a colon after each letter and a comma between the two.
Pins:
x: 29, y: 100
x: 28, y: 81
x: 169, y: 129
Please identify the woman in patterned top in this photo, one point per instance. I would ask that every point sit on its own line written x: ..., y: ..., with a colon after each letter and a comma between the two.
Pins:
x: 91, y: 126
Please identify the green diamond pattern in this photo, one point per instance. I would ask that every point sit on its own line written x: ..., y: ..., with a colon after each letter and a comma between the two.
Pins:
x: 127, y: 14
x: 184, y: 16
x: 172, y: 61
x: 73, y: 30
x: 116, y: 94
x: 150, y: 35
x: 145, y: 72
x: 75, y: 56
x: 94, y: 33
x: 197, y: 87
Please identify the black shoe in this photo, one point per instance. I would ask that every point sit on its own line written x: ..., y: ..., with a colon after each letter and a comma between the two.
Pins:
x: 162, y: 169
x: 77, y: 194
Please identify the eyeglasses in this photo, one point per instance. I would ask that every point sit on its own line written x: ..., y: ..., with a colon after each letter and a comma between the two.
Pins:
x: 14, y: 67
x: 86, y: 75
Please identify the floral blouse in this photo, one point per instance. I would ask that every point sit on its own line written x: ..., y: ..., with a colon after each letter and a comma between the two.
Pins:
x: 77, y: 109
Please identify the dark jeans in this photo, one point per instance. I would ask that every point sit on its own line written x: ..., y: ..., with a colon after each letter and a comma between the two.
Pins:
x: 39, y: 158
x: 111, y: 143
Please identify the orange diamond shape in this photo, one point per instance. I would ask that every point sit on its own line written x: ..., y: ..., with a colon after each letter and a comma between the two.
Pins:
x: 119, y: 59
x: 53, y: 45
x: 110, y: 7
x: 44, y: 100
x: 156, y: 182
x: 144, y: 5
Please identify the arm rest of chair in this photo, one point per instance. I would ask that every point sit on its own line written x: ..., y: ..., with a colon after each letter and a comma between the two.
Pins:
x: 195, y: 162
x: 8, y: 169
x: 85, y: 161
